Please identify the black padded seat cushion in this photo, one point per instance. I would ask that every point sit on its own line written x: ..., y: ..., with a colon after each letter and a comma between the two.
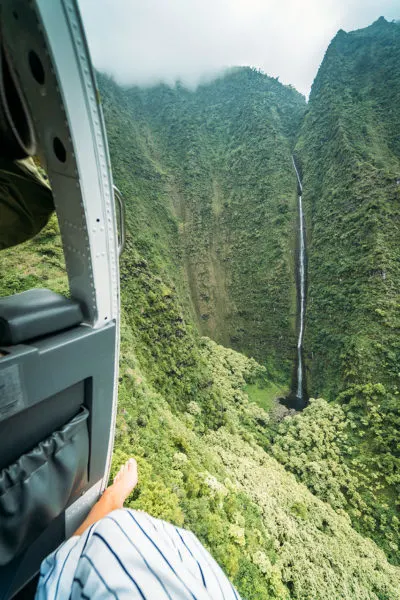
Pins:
x: 36, y: 313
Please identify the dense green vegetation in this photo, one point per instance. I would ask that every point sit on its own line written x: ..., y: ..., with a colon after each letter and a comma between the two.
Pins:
x: 212, y: 176
x: 213, y: 209
x: 185, y: 414
x: 285, y: 502
x: 350, y: 157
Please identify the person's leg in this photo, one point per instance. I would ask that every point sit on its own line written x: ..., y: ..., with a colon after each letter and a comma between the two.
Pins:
x: 114, y: 496
x: 26, y: 202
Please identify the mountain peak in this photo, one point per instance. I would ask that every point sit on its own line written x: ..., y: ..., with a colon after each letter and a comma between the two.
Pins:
x: 379, y: 22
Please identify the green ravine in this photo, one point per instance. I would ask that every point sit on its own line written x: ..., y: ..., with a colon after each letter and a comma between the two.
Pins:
x: 304, y: 505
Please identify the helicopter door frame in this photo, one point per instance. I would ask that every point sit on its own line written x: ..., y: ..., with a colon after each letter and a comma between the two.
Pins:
x: 46, y: 45
x: 72, y: 143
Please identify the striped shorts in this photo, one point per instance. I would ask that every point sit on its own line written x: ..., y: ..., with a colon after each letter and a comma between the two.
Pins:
x: 129, y: 554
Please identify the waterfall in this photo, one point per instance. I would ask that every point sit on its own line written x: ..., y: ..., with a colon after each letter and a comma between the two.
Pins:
x: 302, y: 287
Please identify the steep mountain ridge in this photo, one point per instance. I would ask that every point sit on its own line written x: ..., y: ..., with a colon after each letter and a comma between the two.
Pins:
x: 222, y: 162
x: 214, y: 209
x: 349, y: 152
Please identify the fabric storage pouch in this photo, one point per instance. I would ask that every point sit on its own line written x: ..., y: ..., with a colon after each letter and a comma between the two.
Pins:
x: 37, y: 487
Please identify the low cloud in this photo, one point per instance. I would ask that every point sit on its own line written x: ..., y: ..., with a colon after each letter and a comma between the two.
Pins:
x: 147, y: 41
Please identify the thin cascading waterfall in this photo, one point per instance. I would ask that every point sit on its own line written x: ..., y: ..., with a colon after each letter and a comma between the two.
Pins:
x: 302, y: 288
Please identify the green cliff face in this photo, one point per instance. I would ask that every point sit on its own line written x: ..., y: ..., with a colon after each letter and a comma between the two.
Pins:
x: 349, y: 151
x: 350, y: 155
x: 214, y: 190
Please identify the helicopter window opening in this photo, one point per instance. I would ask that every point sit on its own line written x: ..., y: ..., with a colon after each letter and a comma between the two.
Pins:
x: 36, y: 67
x: 59, y: 150
x: 29, y: 262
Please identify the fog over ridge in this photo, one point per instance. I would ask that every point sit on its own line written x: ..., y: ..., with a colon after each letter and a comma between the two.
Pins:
x: 147, y: 42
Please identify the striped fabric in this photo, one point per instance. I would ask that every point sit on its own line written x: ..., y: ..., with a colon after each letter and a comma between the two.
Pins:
x: 129, y: 554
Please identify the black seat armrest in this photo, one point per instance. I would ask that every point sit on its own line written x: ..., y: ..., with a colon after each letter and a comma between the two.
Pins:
x: 36, y: 313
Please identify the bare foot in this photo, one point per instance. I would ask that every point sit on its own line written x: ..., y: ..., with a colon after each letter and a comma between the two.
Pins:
x: 124, y: 482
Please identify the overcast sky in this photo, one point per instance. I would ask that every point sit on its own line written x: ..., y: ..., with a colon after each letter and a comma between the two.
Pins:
x: 147, y: 41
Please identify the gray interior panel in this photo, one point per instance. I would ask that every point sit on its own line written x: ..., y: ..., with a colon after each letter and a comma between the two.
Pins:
x: 51, y: 379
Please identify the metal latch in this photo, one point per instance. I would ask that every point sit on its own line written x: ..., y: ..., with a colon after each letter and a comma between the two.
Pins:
x: 121, y: 220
